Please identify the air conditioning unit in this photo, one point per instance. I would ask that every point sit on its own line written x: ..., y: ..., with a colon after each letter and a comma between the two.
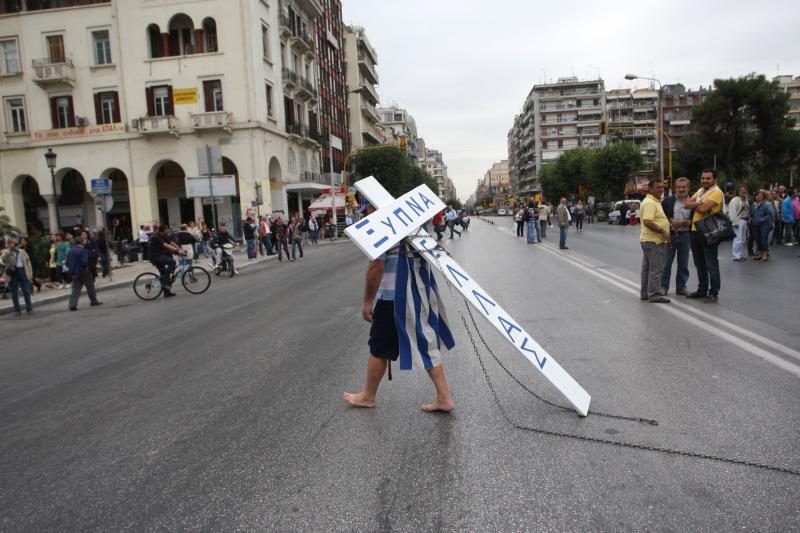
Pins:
x: 82, y: 121
x: 135, y: 123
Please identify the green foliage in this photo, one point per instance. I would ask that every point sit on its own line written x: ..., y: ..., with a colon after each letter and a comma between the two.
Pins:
x: 601, y: 171
x: 5, y: 224
x: 744, y: 124
x: 392, y: 168
x: 455, y: 203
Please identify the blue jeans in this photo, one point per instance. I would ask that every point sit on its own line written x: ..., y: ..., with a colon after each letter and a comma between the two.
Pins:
x: 20, y: 281
x: 532, y: 233
x: 706, y: 262
x: 207, y: 248
x: 680, y: 245
x: 761, y: 236
x: 314, y: 236
x: 562, y: 241
x: 251, y: 248
x: 299, y: 244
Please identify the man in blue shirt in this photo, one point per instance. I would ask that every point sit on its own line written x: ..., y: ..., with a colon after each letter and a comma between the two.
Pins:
x: 78, y: 266
x: 451, y: 217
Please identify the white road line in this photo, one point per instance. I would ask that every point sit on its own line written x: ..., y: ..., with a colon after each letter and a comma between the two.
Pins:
x: 632, y: 288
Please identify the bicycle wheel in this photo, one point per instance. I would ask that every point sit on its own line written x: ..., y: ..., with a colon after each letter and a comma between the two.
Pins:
x: 196, y: 280
x: 147, y: 286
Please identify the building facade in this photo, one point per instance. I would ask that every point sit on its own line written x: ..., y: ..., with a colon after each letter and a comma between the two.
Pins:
x: 632, y: 116
x: 362, y: 61
x: 333, y: 86
x: 792, y: 86
x: 130, y: 90
x: 677, y: 103
x: 400, y: 128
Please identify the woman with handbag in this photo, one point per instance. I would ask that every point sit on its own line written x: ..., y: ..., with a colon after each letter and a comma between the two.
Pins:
x: 762, y: 215
x: 19, y: 273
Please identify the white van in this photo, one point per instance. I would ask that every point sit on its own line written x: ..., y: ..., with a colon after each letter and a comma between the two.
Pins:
x: 633, y: 205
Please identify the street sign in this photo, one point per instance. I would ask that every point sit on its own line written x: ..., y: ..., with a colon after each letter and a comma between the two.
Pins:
x: 489, y: 308
x: 384, y: 228
x: 209, y: 159
x: 101, y: 186
x: 336, y: 142
x: 204, y: 186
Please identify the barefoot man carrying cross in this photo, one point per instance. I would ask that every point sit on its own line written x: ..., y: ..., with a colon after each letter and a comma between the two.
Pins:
x: 396, y: 284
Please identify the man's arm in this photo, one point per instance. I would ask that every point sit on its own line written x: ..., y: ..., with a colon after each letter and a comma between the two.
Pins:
x: 373, y: 281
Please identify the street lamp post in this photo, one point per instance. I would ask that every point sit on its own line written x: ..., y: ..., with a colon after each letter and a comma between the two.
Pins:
x: 50, y: 156
x: 659, y: 142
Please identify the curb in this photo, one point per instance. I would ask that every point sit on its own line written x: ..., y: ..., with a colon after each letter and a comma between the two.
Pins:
x: 62, y: 296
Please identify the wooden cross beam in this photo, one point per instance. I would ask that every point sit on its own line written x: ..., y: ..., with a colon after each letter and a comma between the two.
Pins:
x: 396, y: 220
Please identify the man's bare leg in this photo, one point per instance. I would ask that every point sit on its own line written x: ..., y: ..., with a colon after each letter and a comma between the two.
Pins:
x: 443, y: 401
x: 376, y: 367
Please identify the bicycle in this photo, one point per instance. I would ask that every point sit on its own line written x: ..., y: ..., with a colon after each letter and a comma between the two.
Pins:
x: 195, y: 279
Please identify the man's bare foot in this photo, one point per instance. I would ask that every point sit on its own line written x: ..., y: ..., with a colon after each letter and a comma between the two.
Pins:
x: 357, y: 400
x: 439, y: 406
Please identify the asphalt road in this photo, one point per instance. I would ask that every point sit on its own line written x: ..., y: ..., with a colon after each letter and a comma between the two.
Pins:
x: 223, y: 411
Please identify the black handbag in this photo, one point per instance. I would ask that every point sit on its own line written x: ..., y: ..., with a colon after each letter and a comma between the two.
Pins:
x: 716, y: 228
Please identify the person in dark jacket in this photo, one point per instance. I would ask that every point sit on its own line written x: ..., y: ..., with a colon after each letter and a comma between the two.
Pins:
x: 249, y: 229
x: 280, y: 235
x: 78, y: 266
x: 762, y: 216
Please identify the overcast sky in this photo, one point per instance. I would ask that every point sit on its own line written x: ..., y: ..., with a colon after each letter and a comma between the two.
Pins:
x: 463, y: 68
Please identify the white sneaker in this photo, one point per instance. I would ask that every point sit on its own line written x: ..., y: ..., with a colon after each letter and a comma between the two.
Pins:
x: 789, y: 244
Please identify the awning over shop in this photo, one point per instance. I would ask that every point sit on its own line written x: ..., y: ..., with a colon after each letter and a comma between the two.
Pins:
x: 323, y: 203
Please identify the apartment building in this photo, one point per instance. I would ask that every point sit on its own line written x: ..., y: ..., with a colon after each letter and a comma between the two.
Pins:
x: 792, y: 86
x: 632, y: 116
x: 496, y: 182
x: 435, y: 166
x: 129, y: 90
x: 362, y: 61
x: 399, y: 127
x: 676, y: 104
x: 333, y: 86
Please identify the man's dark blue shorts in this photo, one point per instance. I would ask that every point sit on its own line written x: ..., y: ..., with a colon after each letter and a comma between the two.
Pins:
x: 383, y: 341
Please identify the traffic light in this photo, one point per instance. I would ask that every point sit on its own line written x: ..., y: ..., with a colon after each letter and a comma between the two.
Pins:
x: 602, y: 127
x: 403, y: 143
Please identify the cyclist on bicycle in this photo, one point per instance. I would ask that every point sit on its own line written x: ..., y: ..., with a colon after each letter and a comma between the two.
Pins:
x: 161, y: 249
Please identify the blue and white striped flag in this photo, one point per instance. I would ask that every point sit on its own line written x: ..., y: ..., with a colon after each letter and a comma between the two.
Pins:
x: 419, y: 313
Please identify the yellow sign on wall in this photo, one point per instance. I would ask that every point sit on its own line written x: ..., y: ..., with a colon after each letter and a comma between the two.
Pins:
x: 184, y: 96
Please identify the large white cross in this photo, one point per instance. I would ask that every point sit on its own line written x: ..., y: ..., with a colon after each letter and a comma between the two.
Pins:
x: 395, y: 220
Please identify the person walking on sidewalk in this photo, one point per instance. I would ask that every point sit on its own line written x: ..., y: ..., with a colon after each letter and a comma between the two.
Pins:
x: 19, y: 272
x: 563, y: 216
x: 249, y: 230
x: 579, y: 214
x: 279, y: 232
x: 78, y: 265
x: 451, y: 216
x: 296, y: 232
x: 654, y: 238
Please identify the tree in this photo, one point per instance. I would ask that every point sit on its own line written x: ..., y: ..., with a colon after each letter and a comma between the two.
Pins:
x: 610, y: 166
x: 563, y: 176
x: 455, y: 203
x: 393, y: 169
x: 6, y: 228
x: 743, y: 123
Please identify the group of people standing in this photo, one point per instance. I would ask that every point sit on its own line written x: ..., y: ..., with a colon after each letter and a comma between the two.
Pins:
x: 763, y: 218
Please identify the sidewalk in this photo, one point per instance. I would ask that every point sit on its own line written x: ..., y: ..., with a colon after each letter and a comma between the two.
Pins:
x: 124, y: 275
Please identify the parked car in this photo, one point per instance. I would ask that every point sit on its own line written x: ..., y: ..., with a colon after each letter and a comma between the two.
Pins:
x: 601, y: 210
x: 613, y: 216
x: 501, y: 212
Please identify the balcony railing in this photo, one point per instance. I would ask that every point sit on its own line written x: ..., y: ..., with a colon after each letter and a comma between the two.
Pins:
x: 303, y: 42
x: 306, y: 90
x: 306, y: 135
x: 370, y: 111
x: 47, y: 72
x: 285, y: 25
x: 158, y: 125
x: 367, y: 69
x: 290, y: 77
x: 368, y: 89
x: 311, y: 177
x: 214, y: 120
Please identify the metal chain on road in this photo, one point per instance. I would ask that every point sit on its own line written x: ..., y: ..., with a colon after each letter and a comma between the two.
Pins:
x: 575, y: 436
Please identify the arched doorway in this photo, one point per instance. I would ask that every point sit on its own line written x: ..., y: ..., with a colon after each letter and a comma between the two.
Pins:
x: 32, y: 204
x: 75, y: 204
x: 229, y: 209
x: 276, y: 186
x: 168, y: 181
x: 118, y: 219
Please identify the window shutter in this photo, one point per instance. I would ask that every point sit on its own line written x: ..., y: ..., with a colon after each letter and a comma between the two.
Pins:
x: 70, y: 112
x: 98, y: 109
x: 170, y: 107
x: 54, y: 113
x: 117, y: 118
x: 151, y: 103
x: 208, y: 95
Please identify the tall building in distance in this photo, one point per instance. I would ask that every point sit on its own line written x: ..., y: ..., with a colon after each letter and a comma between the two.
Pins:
x: 633, y: 116
x: 332, y: 84
x: 435, y: 166
x: 677, y: 103
x: 361, y: 80
x: 130, y: 90
x: 400, y: 128
x: 792, y: 86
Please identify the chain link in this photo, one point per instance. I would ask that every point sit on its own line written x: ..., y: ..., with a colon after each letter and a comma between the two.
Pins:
x: 575, y: 436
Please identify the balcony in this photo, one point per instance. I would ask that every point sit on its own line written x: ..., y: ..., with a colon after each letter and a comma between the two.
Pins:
x: 372, y: 136
x: 370, y: 51
x: 305, y: 90
x: 215, y: 120
x: 47, y: 73
x: 366, y: 68
x: 285, y: 26
x: 370, y: 112
x: 290, y: 78
x: 312, y: 177
x: 368, y: 90
x: 158, y: 125
x: 303, y: 42
x: 302, y: 134
x: 312, y: 7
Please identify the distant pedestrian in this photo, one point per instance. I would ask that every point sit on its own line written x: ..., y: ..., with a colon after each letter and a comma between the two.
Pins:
x: 296, y: 234
x: 564, y: 218
x: 279, y: 233
x: 531, y: 221
x: 654, y: 238
x: 544, y: 220
x: 62, y: 250
x: 144, y: 241
x: 580, y: 211
x: 313, y: 229
x: 104, y: 251
x: 438, y: 225
x: 451, y: 216
x: 787, y: 217
x: 205, y: 239
x: 18, y: 270
x: 249, y: 230
x: 680, y: 245
x: 762, y: 216
x: 78, y: 265
x: 520, y: 218
x: 706, y: 202
x: 739, y: 213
